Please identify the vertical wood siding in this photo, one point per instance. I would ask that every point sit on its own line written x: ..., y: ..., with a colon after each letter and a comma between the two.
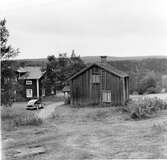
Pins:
x: 84, y: 92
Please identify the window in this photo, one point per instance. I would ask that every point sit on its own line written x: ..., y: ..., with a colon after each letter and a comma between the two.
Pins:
x: 95, y: 78
x: 52, y: 90
x: 106, y: 96
x: 28, y: 93
x: 28, y: 82
x: 43, y: 91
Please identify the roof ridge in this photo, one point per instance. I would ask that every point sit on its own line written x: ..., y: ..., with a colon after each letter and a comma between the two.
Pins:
x: 106, y: 66
x: 33, y: 73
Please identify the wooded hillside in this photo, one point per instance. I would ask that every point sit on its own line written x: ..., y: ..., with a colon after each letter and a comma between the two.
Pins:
x: 137, y: 68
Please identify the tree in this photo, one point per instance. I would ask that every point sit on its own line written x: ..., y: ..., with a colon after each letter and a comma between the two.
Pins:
x: 148, y: 83
x: 50, y: 77
x: 76, y: 63
x: 6, y: 50
x: 58, y: 70
x: 8, y: 68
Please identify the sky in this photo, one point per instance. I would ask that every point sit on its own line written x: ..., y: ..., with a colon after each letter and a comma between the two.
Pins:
x: 91, y: 27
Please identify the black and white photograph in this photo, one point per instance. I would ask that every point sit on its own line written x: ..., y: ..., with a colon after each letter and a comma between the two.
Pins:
x: 83, y: 79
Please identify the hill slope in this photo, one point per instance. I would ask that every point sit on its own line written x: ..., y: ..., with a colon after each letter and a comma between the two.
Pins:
x: 89, y: 59
x: 136, y: 67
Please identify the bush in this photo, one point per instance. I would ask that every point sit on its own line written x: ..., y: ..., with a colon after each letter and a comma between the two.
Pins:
x: 20, y: 98
x: 148, y: 83
x: 145, y: 107
x: 10, y: 119
x: 153, y: 90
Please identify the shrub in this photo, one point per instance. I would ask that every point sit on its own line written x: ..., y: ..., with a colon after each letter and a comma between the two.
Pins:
x: 163, y: 90
x: 135, y: 93
x: 10, y: 119
x: 151, y: 90
x: 20, y: 98
x: 145, y: 107
x: 148, y: 82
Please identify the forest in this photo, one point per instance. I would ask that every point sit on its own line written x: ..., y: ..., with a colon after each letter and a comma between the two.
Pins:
x: 145, y: 74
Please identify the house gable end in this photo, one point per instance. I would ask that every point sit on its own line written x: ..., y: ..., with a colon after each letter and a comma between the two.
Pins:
x: 107, y: 68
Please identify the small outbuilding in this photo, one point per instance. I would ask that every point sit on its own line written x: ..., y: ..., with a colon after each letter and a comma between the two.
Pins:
x: 99, y: 83
x: 66, y: 91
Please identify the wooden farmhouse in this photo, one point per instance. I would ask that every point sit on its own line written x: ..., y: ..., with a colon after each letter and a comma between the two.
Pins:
x: 99, y: 83
x: 31, y: 80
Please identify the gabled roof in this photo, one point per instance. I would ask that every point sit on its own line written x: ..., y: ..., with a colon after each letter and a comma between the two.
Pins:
x: 21, y: 70
x: 104, y: 66
x: 111, y: 69
x: 32, y: 73
x: 66, y: 89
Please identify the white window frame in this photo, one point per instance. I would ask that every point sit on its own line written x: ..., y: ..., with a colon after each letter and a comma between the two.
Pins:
x: 106, y: 96
x: 95, y: 78
x: 52, y: 91
x: 28, y: 82
x: 43, y: 92
x: 29, y: 93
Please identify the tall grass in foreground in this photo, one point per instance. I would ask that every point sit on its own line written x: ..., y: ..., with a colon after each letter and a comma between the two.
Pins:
x: 145, y: 107
x: 159, y: 128
x: 10, y: 119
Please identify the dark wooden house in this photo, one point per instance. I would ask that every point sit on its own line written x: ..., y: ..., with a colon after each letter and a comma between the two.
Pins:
x: 99, y: 83
x: 30, y: 78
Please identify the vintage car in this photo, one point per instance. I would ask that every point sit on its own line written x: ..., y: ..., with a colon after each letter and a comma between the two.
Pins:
x: 34, y: 104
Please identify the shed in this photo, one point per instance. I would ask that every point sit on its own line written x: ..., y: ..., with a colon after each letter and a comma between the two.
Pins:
x: 66, y: 91
x: 99, y: 83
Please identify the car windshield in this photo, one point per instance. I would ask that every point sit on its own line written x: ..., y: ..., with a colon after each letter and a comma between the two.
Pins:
x: 32, y: 102
x: 37, y: 102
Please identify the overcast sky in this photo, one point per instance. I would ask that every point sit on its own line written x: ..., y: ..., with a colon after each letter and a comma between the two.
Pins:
x: 91, y: 27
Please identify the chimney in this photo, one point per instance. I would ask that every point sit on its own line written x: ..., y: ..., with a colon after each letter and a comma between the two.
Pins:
x: 103, y: 59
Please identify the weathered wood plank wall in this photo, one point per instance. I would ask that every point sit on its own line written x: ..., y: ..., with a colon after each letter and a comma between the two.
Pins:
x: 84, y: 92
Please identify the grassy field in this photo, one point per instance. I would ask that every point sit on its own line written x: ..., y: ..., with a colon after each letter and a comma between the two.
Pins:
x: 162, y: 96
x: 89, y: 133
x: 17, y: 115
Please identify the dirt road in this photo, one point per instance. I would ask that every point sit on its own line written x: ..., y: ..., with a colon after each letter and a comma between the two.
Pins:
x: 48, y: 110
